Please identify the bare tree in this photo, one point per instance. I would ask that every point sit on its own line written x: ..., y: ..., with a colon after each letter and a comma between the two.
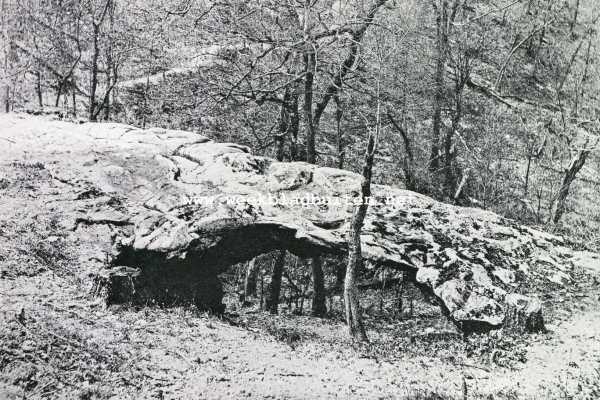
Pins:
x: 570, y: 174
x: 97, y: 23
x: 355, y: 261
x: 272, y: 303
x: 441, y: 47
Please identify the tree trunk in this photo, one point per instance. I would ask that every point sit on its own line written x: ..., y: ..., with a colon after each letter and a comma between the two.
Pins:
x: 312, y: 120
x: 570, y: 175
x: 145, y: 108
x: 250, y: 280
x: 74, y: 98
x: 339, y: 114
x: 38, y: 88
x: 275, y: 285
x: 580, y: 89
x: 449, y: 180
x: 528, y: 38
x: 461, y: 186
x: 284, y: 125
x: 355, y: 260
x: 294, y: 126
x: 353, y: 311
x: 527, y: 173
x: 106, y: 102
x: 110, y: 67
x: 440, y: 70
x: 408, y: 162
x: 576, y: 14
x: 94, y: 72
x: 59, y: 92
x: 95, y: 55
x: 7, y: 99
x: 319, y: 308
x: 449, y: 151
x: 309, y: 63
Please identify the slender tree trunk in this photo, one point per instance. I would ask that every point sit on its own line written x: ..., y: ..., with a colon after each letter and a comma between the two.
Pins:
x: 262, y: 289
x: 38, y: 89
x: 59, y: 92
x: 339, y: 114
x: 275, y: 285
x: 353, y: 311
x: 527, y: 172
x: 312, y: 120
x: 355, y: 261
x: 94, y: 76
x: 4, y: 36
x: 440, y: 71
x: 568, y: 71
x: 528, y: 38
x: 410, y: 180
x: 449, y: 152
x: 448, y: 162
x: 577, y: 162
x: 93, y: 115
x: 250, y: 279
x: 7, y: 98
x: 74, y: 98
x: 543, y: 33
x: 575, y: 15
x: 461, y: 186
x: 145, y: 108
x: 110, y: 68
x: 106, y: 102
x: 294, y: 127
x: 284, y: 125
x: 580, y: 89
x: 310, y: 64
x: 94, y: 72
x: 319, y: 308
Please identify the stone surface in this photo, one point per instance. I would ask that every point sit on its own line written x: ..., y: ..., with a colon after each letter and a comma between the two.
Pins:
x: 165, y: 211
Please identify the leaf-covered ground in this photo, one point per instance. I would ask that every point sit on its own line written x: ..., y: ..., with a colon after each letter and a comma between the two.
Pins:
x: 57, y: 341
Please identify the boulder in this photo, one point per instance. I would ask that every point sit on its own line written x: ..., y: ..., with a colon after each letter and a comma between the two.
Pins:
x: 163, y: 212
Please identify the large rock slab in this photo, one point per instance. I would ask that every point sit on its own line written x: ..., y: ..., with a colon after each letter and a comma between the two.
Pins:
x: 165, y: 211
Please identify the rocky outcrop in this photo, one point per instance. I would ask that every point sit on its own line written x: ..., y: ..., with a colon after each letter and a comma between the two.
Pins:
x: 164, y: 212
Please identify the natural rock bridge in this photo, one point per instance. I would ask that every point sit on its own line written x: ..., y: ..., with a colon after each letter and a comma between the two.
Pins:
x: 154, y: 209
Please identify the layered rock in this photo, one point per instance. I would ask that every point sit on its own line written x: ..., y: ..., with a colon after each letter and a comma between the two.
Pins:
x: 167, y: 211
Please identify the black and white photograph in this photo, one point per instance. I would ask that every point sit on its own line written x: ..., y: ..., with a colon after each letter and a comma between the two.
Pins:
x: 300, y: 199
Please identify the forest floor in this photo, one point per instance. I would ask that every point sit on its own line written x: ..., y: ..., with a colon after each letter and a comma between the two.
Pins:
x: 57, y: 341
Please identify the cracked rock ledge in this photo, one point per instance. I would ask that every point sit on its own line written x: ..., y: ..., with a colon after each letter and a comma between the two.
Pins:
x: 164, y: 212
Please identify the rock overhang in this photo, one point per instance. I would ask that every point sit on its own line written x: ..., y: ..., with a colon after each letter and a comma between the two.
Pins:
x: 168, y: 196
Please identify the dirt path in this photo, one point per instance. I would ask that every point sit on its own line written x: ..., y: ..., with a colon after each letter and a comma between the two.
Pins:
x: 179, y: 354
x: 567, y: 362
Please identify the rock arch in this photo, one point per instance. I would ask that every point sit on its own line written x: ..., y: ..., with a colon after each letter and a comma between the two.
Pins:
x: 172, y: 209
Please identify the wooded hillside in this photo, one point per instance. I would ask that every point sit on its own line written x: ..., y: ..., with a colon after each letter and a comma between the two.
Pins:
x: 442, y: 159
